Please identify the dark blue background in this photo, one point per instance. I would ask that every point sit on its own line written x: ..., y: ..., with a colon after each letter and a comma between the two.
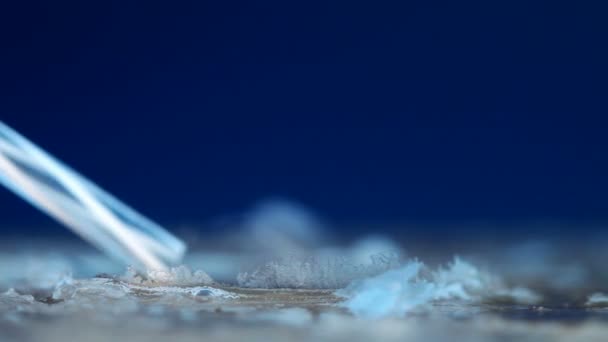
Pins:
x: 441, y: 113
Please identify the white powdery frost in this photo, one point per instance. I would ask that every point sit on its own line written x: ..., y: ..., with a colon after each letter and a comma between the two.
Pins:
x: 400, y: 291
x: 597, y: 299
x: 315, y: 272
x: 462, y: 280
x: 176, y: 276
x: 391, y: 293
x: 11, y: 300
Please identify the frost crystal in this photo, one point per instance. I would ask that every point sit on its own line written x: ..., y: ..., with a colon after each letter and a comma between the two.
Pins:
x: 176, y: 276
x: 597, y: 299
x: 315, y: 272
x: 400, y: 291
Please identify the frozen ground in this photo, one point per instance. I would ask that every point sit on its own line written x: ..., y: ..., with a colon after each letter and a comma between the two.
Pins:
x: 110, y: 309
x: 53, y: 297
x: 279, y: 275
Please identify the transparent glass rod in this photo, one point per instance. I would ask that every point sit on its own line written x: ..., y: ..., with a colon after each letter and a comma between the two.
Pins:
x: 82, y: 206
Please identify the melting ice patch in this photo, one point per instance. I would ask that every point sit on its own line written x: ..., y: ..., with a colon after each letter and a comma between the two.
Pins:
x: 400, y: 291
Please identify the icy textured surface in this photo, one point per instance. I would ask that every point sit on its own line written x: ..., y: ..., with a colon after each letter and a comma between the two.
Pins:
x: 457, y: 301
x: 103, y: 288
x: 462, y: 280
x: 597, y: 299
x: 53, y: 292
x: 106, y: 310
x: 400, y: 291
x: 315, y: 272
x: 176, y: 276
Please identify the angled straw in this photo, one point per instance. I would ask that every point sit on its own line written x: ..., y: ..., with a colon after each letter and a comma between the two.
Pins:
x: 82, y: 206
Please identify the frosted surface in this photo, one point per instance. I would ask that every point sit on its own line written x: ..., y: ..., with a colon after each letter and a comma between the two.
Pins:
x: 401, y: 291
x: 303, y: 286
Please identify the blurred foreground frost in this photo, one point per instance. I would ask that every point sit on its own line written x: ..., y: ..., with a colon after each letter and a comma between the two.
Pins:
x: 277, y: 274
x: 597, y: 299
x: 175, y: 276
x: 399, y: 291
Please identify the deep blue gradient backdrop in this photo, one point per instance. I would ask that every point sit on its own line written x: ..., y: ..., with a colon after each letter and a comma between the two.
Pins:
x: 363, y: 111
